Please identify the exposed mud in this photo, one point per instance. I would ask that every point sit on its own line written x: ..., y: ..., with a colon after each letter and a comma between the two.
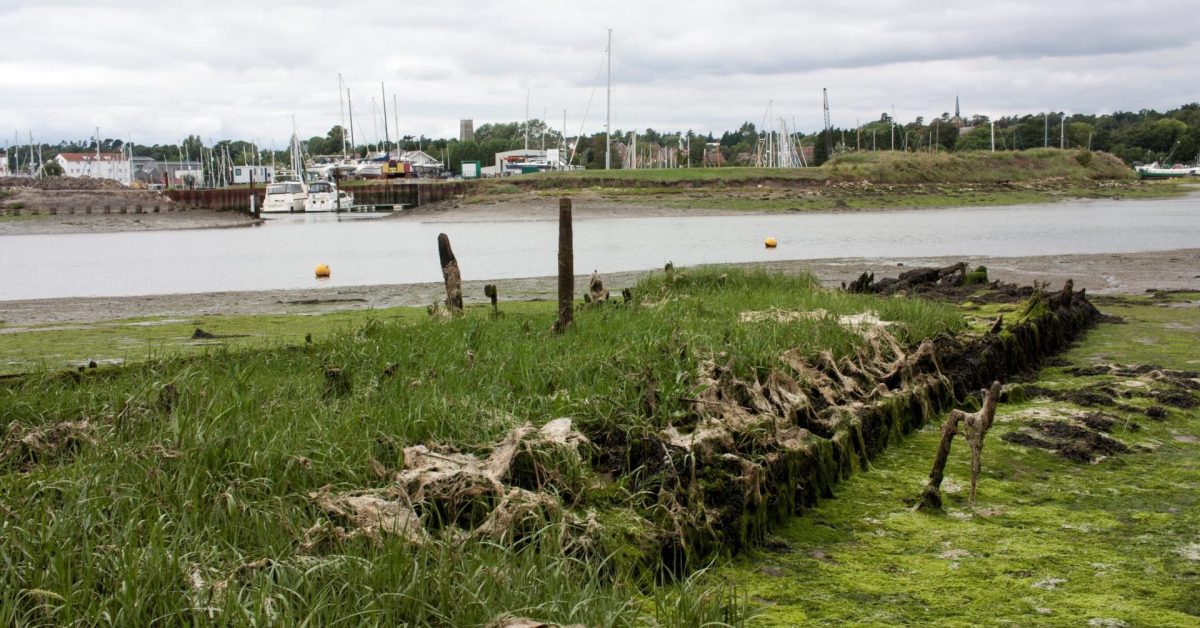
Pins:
x: 1102, y: 273
x: 1074, y: 440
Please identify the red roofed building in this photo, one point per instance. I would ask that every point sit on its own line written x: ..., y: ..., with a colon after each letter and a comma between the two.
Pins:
x: 98, y: 166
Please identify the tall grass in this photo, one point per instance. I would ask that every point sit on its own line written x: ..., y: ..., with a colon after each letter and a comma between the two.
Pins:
x: 978, y: 166
x: 187, y: 499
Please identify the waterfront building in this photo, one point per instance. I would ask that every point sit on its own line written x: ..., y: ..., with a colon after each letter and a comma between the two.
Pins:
x: 114, y: 166
x: 252, y: 174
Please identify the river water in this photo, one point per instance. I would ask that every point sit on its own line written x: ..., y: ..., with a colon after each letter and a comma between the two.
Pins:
x: 363, y: 250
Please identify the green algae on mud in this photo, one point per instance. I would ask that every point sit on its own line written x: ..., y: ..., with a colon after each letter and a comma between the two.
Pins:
x: 1051, y: 542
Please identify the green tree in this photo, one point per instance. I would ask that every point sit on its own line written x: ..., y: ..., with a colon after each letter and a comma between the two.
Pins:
x: 52, y: 169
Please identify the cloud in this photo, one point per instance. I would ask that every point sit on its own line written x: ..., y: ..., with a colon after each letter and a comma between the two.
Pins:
x: 238, y: 69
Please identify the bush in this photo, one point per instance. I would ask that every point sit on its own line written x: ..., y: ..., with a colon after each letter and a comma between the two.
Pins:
x: 1084, y: 158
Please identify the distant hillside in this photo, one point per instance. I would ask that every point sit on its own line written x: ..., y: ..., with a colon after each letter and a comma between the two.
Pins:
x: 977, y: 166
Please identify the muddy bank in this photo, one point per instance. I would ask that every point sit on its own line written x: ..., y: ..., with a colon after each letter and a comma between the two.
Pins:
x: 526, y: 206
x: 592, y: 200
x: 79, y: 222
x: 86, y: 205
x: 1123, y: 273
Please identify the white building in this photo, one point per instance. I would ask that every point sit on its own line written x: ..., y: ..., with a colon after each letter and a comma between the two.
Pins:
x: 252, y: 174
x: 97, y: 166
x: 4, y: 164
x: 525, y: 162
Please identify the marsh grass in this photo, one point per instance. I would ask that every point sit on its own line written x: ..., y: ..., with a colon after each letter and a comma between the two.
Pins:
x: 186, y: 499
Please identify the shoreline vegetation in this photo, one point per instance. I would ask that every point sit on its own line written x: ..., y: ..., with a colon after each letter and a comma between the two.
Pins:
x: 854, y: 182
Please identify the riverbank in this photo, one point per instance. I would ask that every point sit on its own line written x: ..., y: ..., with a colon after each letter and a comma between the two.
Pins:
x: 502, y: 201
x: 1116, y: 273
x: 43, y: 224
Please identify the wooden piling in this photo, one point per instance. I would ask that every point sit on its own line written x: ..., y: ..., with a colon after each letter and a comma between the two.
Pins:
x: 489, y: 291
x: 450, y: 273
x: 566, y: 267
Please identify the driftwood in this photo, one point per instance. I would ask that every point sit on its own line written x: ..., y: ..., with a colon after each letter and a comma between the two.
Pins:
x: 915, y: 279
x: 975, y: 426
x: 566, y: 267
x: 450, y: 273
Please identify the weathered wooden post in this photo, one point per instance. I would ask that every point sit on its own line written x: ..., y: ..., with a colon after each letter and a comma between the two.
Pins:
x: 975, y: 426
x: 450, y: 273
x: 566, y: 267
x: 489, y: 291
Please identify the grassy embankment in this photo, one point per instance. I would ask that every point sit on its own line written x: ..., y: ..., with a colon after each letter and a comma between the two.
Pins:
x: 179, y: 490
x: 863, y: 181
x: 1051, y: 542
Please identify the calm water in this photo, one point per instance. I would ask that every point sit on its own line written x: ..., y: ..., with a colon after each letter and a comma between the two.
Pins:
x: 364, y: 250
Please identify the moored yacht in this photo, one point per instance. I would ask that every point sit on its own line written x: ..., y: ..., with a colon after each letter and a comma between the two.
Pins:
x: 324, y: 196
x: 285, y: 196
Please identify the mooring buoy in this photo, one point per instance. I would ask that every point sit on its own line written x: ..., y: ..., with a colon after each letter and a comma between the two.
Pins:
x: 322, y: 270
x: 771, y: 243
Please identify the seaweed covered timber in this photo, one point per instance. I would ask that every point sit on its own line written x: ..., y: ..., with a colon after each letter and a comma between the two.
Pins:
x: 749, y: 452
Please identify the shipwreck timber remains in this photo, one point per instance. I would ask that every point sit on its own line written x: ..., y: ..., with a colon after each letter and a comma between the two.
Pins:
x: 749, y: 453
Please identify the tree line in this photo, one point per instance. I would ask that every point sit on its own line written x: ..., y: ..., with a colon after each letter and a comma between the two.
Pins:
x: 1136, y: 137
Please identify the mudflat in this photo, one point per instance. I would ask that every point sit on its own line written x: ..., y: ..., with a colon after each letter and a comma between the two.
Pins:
x: 1115, y: 273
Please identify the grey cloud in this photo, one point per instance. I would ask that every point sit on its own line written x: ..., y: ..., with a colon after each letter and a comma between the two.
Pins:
x: 244, y: 69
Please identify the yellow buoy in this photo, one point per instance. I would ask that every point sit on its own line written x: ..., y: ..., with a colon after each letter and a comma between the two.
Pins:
x: 322, y: 270
x: 771, y: 243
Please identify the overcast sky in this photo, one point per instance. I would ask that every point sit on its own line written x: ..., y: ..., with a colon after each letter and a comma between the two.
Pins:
x: 157, y: 71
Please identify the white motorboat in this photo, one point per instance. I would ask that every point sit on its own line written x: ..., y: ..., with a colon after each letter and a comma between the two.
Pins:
x: 286, y: 196
x: 324, y: 196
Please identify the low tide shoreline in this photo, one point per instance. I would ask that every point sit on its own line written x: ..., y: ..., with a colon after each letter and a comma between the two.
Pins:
x: 1115, y: 273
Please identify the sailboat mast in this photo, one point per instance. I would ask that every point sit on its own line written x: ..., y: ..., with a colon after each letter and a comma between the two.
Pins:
x: 342, y: 108
x: 350, y: 106
x: 387, y: 142
x: 527, y: 93
x: 608, y: 108
x: 396, y: 123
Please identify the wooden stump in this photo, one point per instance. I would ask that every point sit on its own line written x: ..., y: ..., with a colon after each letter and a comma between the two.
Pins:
x: 489, y: 291
x: 451, y: 275
x: 566, y: 267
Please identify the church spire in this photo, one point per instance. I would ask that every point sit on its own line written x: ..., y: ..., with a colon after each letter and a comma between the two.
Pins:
x: 956, y: 114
